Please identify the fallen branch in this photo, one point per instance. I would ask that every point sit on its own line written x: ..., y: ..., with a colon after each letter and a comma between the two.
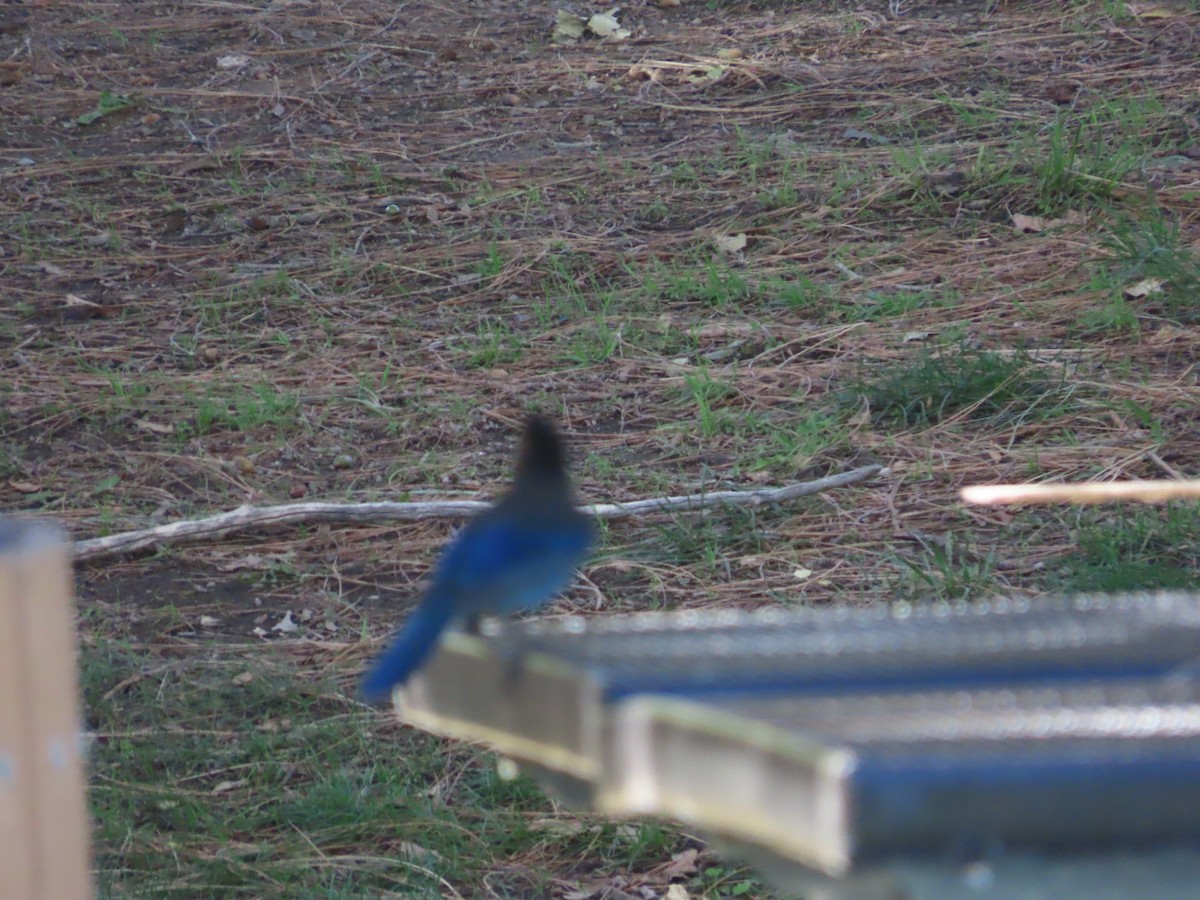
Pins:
x: 246, y: 517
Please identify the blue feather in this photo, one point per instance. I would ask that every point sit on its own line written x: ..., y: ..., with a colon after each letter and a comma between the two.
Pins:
x: 513, y: 557
x: 408, y: 651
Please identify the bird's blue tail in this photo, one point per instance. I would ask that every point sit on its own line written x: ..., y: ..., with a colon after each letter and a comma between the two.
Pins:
x: 409, y: 650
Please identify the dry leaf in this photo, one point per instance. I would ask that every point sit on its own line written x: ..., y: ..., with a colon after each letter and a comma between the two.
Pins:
x: 251, y: 561
x: 707, y: 74
x: 155, y: 427
x: 203, y: 164
x: 412, y: 850
x: 1027, y: 223
x: 1166, y: 334
x: 1143, y: 288
x: 730, y: 53
x: 606, y: 25
x: 1034, y: 224
x: 866, y: 137
x: 1152, y: 11
x: 243, y: 679
x: 597, y: 887
x: 567, y: 27
x: 730, y: 243
x: 1061, y: 92
x: 559, y: 826
x: 682, y: 864
x: 24, y: 487
x: 603, y: 24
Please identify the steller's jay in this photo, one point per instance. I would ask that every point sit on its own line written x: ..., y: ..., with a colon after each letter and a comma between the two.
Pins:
x: 515, y: 556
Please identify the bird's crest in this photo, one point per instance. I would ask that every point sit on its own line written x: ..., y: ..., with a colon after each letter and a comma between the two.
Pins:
x: 542, y: 458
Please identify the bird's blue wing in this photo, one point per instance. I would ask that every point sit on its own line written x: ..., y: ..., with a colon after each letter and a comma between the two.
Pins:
x: 503, y: 564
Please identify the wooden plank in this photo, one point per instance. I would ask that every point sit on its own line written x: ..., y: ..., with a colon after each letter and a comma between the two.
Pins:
x: 16, y: 837
x: 51, y: 778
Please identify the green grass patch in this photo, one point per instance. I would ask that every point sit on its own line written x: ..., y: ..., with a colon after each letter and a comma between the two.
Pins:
x: 948, y: 569
x: 494, y: 343
x: 1151, y: 247
x: 216, y: 774
x: 1131, y: 548
x: 242, y: 409
x: 879, y: 306
x: 220, y: 775
x: 712, y: 283
x: 979, y: 384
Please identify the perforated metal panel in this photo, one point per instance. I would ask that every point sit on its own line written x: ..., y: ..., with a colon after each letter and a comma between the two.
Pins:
x: 845, y: 740
x: 827, y: 650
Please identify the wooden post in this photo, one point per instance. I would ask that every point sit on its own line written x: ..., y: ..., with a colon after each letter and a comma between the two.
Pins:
x: 44, y: 825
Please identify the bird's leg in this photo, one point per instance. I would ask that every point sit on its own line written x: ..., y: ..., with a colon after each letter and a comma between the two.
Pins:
x: 506, y: 645
x: 511, y: 648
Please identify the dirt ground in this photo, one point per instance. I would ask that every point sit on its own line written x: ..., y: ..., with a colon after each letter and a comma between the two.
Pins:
x: 257, y: 252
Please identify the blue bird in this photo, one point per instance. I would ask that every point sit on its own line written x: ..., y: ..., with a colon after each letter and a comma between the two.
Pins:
x: 515, y: 556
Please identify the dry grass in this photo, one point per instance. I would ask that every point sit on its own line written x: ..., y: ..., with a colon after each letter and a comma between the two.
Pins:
x: 344, y: 267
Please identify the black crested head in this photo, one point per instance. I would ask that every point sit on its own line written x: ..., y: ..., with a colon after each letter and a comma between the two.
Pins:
x: 542, y: 459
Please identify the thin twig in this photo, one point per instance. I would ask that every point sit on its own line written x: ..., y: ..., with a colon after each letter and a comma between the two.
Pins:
x: 1158, y: 491
x: 246, y: 517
